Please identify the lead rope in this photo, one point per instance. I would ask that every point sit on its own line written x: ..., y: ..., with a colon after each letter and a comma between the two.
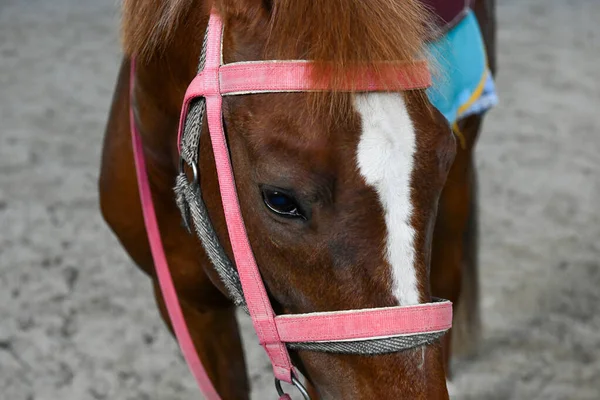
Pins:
x: 160, y: 260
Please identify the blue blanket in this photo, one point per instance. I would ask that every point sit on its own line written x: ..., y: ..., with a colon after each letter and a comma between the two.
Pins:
x: 462, y: 82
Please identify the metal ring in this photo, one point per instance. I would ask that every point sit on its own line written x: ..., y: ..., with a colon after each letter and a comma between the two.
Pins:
x: 192, y: 165
x: 296, y: 383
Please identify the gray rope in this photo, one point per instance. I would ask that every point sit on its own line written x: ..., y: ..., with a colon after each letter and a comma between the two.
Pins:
x: 202, y: 60
x: 369, y: 346
x: 190, y: 144
x: 189, y: 199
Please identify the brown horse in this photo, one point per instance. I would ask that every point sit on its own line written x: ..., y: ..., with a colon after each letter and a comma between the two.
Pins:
x: 343, y: 194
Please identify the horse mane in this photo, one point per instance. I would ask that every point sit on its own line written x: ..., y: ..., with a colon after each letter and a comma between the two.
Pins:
x: 339, y: 32
x: 333, y: 33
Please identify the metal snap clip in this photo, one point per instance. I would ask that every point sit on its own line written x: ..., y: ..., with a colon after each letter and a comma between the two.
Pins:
x: 296, y: 383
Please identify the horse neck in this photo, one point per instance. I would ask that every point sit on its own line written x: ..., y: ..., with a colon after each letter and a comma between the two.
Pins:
x: 160, y: 84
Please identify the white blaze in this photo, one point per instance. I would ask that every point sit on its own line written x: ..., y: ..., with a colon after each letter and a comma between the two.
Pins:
x: 385, y: 160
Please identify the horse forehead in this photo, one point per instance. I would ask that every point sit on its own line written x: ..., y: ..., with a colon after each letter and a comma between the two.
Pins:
x: 289, y: 122
x: 387, y: 144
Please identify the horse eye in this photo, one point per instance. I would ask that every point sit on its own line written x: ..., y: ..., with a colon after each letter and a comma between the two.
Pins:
x: 282, y: 203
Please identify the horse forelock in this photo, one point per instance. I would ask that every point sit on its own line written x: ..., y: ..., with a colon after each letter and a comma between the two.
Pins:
x: 335, y: 34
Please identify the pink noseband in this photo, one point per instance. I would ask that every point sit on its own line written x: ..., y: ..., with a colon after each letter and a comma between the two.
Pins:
x: 215, y: 81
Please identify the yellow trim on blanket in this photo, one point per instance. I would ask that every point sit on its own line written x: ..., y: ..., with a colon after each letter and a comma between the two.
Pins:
x: 476, y: 94
x: 461, y: 138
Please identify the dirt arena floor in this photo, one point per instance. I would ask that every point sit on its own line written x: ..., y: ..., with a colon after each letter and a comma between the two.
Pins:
x: 78, y: 322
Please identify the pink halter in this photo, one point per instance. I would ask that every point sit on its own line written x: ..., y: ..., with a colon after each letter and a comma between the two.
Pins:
x: 215, y: 81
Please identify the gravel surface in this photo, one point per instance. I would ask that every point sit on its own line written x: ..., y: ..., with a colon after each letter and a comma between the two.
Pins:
x: 78, y: 321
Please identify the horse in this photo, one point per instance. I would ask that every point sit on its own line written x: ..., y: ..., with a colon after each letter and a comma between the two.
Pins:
x: 350, y: 200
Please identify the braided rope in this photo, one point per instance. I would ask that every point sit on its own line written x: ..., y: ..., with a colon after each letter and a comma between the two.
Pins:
x: 370, y: 346
x: 189, y: 196
x: 193, y: 122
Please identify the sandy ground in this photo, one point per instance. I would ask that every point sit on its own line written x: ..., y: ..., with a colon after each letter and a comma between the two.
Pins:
x: 77, y: 320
